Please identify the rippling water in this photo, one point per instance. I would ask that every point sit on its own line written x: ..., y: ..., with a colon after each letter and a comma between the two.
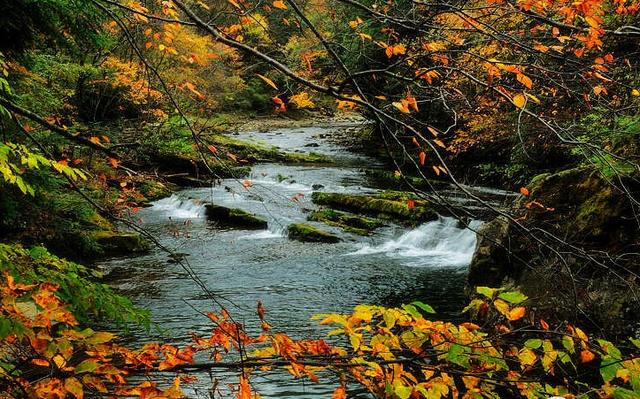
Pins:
x: 294, y: 280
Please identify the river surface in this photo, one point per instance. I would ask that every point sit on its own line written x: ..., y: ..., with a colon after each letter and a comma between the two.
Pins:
x: 294, y: 280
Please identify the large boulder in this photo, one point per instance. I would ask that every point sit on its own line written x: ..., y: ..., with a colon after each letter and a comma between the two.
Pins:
x: 567, y: 244
x: 492, y: 261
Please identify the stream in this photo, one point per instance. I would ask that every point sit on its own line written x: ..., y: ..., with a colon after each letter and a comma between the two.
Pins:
x: 294, y: 280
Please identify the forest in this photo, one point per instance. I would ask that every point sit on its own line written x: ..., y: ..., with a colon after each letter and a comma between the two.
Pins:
x: 338, y: 199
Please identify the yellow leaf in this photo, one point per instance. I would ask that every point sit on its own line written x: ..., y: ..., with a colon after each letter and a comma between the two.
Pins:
x: 267, y: 81
x: 519, y: 100
x: 533, y: 98
x: 94, y: 139
x: 302, y: 100
x: 527, y: 357
x: 280, y: 5
x: 635, y: 93
x: 74, y: 387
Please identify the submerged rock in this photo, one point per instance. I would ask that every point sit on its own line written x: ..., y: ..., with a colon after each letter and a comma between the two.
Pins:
x: 234, y: 217
x: 308, y: 233
x: 350, y: 223
x: 386, y: 205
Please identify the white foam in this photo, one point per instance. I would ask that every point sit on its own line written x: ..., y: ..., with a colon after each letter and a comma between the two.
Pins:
x: 439, y: 242
x: 177, y: 208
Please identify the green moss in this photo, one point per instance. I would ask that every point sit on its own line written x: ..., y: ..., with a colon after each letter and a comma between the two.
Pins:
x: 114, y: 243
x: 258, y: 153
x: 350, y: 223
x: 153, y: 190
x: 387, y: 205
x: 87, y: 298
x: 308, y: 233
x: 234, y: 217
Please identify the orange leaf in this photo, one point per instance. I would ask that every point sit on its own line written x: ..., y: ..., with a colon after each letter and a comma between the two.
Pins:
x: 411, y: 203
x: 516, y: 313
x: 212, y: 148
x: 114, y: 162
x: 402, y: 106
x: 433, y: 131
x: 439, y: 143
x: 245, y: 389
x: 423, y: 157
x: 280, y: 5
x: 40, y: 362
x: 436, y: 169
x: 586, y: 356
x: 247, y: 183
x: 544, y: 325
x: 524, y: 191
x: 339, y: 393
x: 94, y: 139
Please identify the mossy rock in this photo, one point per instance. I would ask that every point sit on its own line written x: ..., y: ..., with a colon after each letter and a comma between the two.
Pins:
x: 114, y: 243
x: 585, y: 206
x: 153, y: 190
x: 386, y: 205
x: 234, y: 217
x: 350, y: 223
x: 308, y: 233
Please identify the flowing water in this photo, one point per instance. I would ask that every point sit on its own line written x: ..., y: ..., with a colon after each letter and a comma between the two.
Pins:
x: 294, y: 280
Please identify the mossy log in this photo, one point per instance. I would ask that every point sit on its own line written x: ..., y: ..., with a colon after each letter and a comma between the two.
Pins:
x: 308, y: 233
x: 350, y: 223
x: 386, y: 205
x: 234, y: 217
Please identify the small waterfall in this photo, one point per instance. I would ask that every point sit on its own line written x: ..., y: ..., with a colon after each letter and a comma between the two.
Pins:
x: 179, y: 208
x: 437, y: 243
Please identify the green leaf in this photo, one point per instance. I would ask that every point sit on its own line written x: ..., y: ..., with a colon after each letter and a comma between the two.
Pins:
x: 458, y: 354
x: 5, y: 327
x: 533, y: 343
x: 568, y: 344
x: 423, y: 306
x: 86, y: 366
x: 486, y: 291
x: 413, y: 311
x: 608, y: 368
x: 513, y: 297
x: 402, y: 391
